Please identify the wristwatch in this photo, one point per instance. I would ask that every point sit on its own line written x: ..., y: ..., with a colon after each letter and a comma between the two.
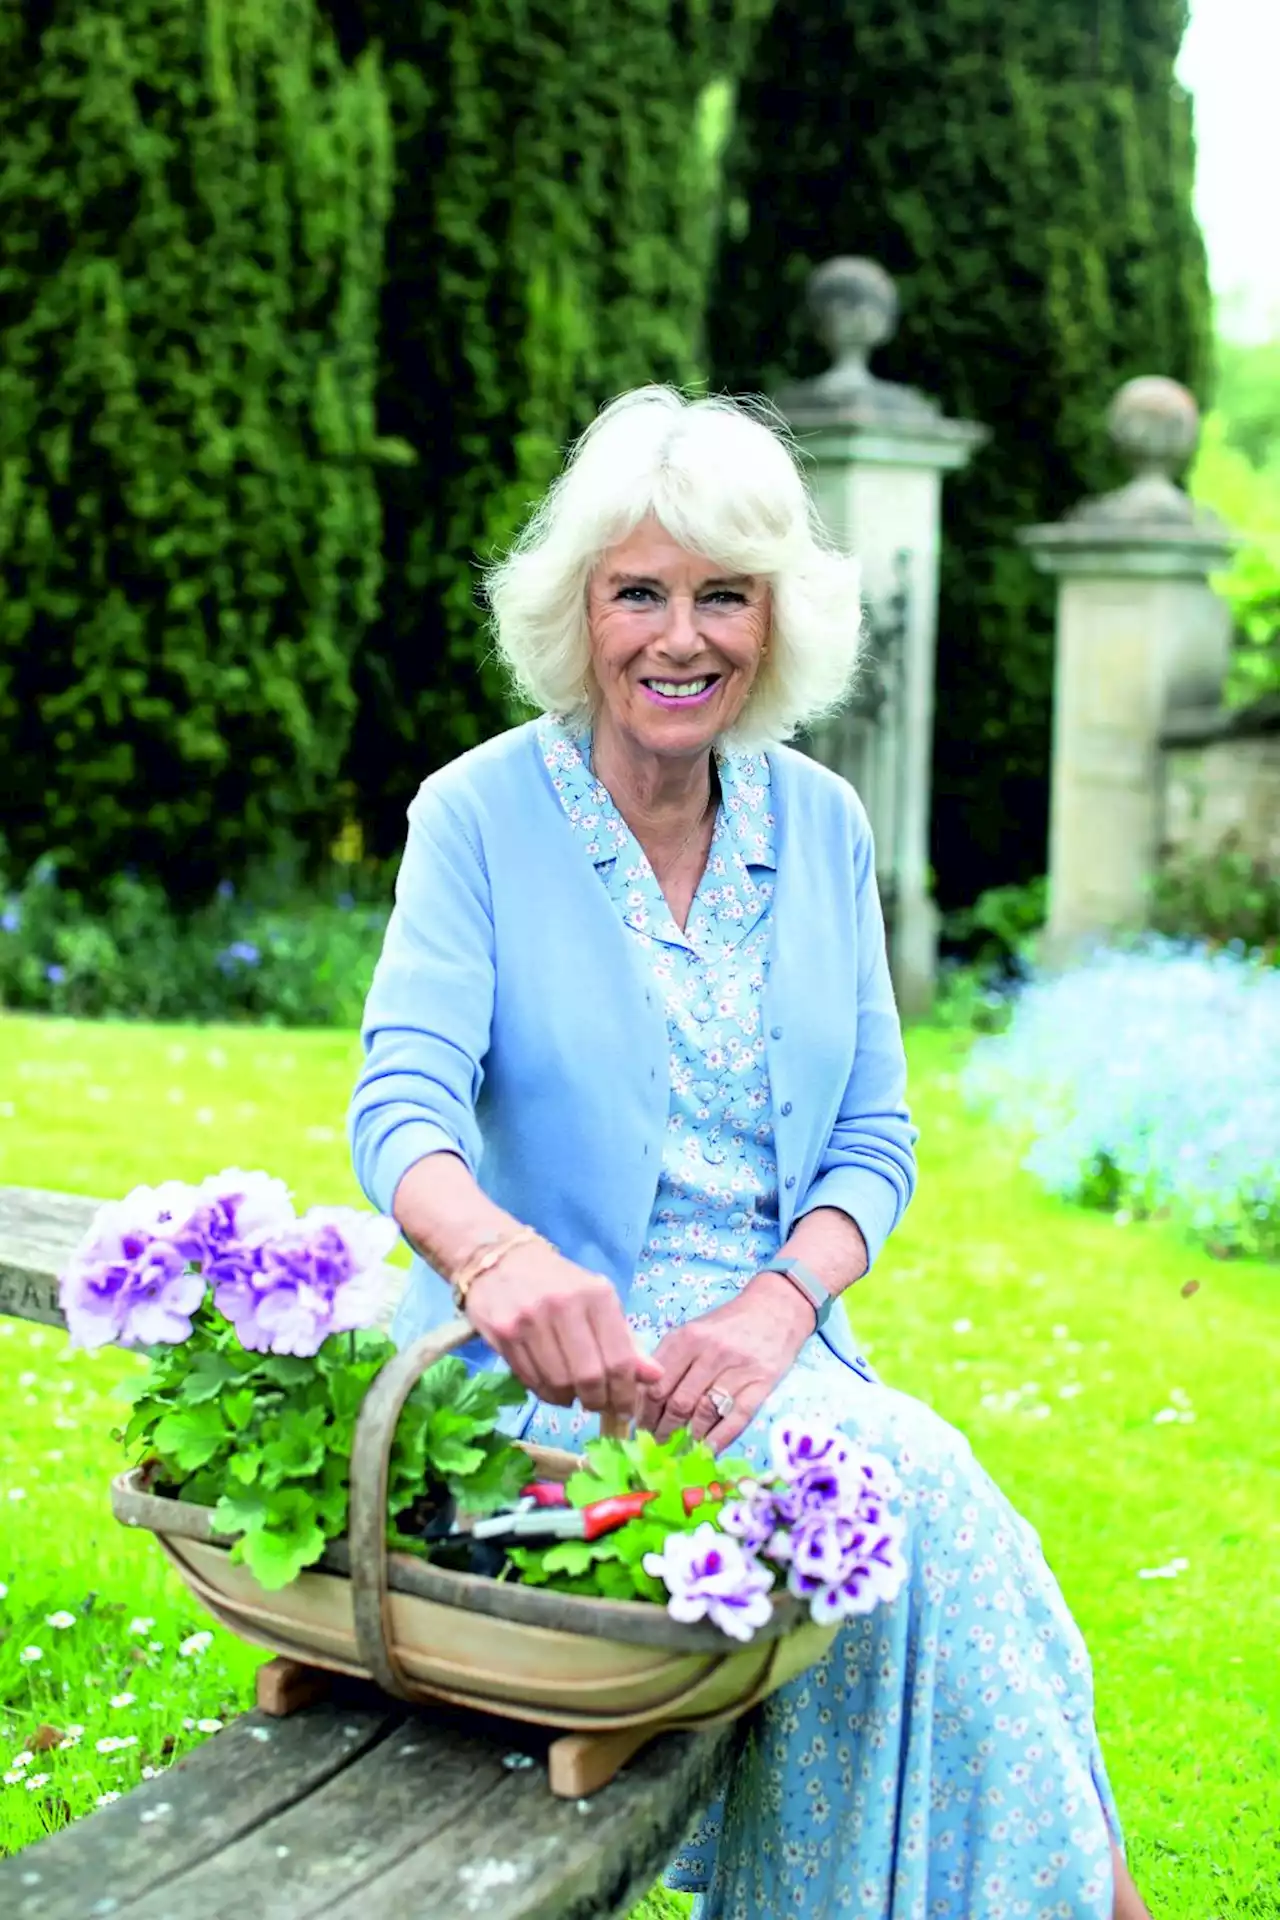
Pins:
x: 806, y: 1281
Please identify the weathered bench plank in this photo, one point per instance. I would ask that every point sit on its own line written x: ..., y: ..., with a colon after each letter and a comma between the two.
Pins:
x: 190, y: 1813
x: 518, y: 1855
x: 39, y: 1232
x: 356, y: 1807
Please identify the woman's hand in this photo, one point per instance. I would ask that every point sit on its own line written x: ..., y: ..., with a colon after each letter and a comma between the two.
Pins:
x: 742, y: 1349
x: 561, y: 1330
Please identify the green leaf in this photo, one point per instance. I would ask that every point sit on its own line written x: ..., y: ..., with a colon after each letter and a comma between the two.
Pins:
x: 243, y: 1467
x: 238, y: 1407
x: 146, y: 1413
x: 204, y: 1488
x: 448, y: 1442
x: 608, y: 1472
x: 208, y: 1373
x: 238, y: 1512
x: 189, y: 1436
x: 286, y: 1370
x: 441, y: 1384
x: 497, y: 1482
x: 285, y: 1537
x: 333, y: 1496
x: 292, y: 1447
x: 275, y: 1556
x: 347, y: 1390
x: 614, y: 1581
x: 485, y: 1392
x: 575, y: 1556
x: 528, y: 1564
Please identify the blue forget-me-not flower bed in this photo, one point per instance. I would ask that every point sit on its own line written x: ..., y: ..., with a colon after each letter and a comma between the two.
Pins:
x: 1148, y: 1079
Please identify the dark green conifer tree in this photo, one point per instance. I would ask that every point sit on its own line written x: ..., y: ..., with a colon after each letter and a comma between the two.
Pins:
x: 193, y: 198
x: 556, y: 181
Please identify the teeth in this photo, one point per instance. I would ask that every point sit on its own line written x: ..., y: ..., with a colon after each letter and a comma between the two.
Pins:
x: 684, y: 691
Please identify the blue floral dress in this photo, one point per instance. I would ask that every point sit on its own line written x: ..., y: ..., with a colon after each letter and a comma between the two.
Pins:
x: 941, y: 1762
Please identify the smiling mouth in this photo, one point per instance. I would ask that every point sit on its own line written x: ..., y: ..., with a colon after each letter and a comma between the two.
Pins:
x: 682, y: 689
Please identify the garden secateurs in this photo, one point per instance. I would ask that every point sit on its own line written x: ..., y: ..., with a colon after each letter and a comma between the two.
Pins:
x: 544, y: 1513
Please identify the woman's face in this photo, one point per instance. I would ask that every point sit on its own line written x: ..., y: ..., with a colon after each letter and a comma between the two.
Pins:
x: 676, y: 643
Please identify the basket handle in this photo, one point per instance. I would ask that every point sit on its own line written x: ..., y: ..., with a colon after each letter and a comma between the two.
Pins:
x: 370, y: 1472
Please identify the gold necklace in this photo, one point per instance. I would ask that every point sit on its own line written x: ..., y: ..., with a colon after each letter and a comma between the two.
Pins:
x: 678, y: 855
x: 681, y: 850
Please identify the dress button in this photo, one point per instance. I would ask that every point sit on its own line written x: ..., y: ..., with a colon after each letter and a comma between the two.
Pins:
x: 775, y: 1033
x: 786, y: 1107
x: 790, y: 1180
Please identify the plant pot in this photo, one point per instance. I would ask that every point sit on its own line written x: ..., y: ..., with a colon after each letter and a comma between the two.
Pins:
x: 603, y: 1667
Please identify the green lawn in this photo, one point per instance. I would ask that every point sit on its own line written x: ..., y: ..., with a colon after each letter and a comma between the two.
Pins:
x: 1053, y: 1338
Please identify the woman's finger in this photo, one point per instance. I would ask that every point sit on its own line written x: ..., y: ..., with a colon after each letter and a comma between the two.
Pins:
x: 687, y: 1402
x: 620, y: 1359
x: 547, y: 1358
x: 515, y: 1355
x: 672, y: 1356
x: 748, y: 1398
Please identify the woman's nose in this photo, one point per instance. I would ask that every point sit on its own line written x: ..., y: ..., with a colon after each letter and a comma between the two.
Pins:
x: 682, y: 628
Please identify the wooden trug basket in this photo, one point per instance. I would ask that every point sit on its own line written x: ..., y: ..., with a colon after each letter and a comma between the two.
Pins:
x: 611, y: 1673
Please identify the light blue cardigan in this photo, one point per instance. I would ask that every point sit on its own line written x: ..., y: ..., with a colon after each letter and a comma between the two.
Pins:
x: 510, y: 1021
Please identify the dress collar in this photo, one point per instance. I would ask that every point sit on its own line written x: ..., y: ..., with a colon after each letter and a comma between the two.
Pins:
x: 746, y: 825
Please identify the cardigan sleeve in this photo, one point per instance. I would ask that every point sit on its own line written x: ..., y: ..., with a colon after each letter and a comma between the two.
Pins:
x: 427, y: 1018
x: 868, y: 1166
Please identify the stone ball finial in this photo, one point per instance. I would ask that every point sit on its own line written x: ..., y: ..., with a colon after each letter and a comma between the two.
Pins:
x: 1155, y: 423
x: 854, y: 306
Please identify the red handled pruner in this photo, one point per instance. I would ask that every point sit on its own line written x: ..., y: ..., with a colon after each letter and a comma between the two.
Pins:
x: 545, y: 1514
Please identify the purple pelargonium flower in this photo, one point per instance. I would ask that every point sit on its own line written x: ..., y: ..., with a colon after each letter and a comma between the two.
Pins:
x: 237, y: 1211
x: 133, y: 1301
x: 828, y: 1518
x: 321, y: 1276
x: 284, y: 1283
x: 711, y: 1576
x: 753, y: 1517
x: 798, y: 1447
x: 842, y: 1566
x: 145, y: 1300
x: 128, y: 1280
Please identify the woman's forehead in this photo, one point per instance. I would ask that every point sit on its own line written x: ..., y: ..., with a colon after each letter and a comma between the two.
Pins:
x: 651, y: 549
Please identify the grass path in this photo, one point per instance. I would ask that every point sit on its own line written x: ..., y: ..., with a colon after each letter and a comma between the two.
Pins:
x: 1138, y: 1427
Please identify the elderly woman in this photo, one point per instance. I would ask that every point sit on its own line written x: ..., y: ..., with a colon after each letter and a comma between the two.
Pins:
x: 634, y: 1087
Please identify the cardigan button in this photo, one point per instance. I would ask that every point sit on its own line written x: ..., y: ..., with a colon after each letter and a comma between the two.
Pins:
x: 786, y: 1107
x: 790, y: 1181
x: 775, y: 1033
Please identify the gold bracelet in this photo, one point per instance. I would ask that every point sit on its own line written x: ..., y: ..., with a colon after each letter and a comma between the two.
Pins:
x: 485, y: 1258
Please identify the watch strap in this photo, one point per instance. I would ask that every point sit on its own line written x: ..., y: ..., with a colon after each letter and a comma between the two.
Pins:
x: 820, y: 1297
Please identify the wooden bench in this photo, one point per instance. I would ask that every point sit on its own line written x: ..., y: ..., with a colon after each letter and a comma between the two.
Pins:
x: 355, y: 1807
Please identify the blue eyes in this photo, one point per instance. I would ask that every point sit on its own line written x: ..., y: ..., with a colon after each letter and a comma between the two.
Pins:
x: 718, y: 597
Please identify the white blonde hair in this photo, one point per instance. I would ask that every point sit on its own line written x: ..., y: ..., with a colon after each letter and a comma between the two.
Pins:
x: 721, y: 478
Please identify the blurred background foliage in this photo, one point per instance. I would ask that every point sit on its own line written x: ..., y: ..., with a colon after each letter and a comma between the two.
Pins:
x: 550, y: 241
x: 1025, y: 173
x: 1237, y: 472
x: 300, y: 301
x: 192, y: 208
